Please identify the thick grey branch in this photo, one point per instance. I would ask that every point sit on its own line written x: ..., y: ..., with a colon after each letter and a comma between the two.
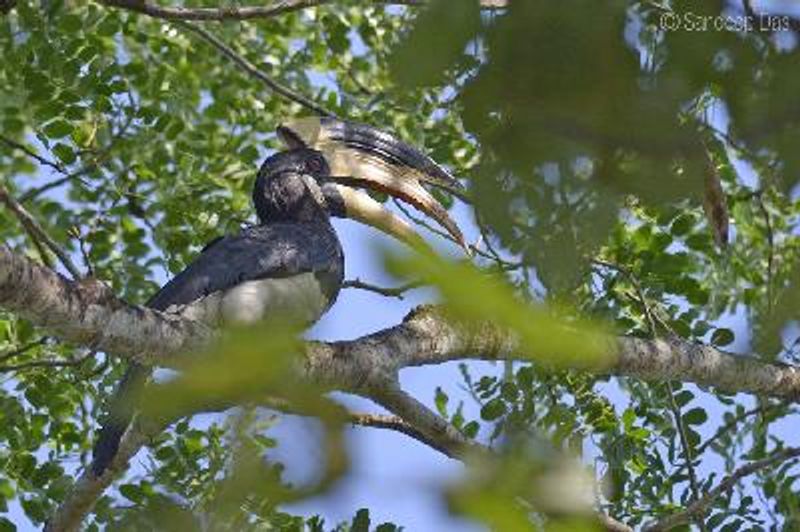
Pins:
x: 429, y: 426
x: 87, y: 313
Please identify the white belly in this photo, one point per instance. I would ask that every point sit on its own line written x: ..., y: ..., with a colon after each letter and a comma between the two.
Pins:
x: 299, y: 297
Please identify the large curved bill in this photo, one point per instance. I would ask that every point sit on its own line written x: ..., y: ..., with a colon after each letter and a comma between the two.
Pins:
x: 363, y: 156
x: 356, y: 205
x: 315, y: 132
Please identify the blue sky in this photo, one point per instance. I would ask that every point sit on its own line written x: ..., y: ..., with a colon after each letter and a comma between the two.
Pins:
x: 397, y: 478
x: 394, y: 476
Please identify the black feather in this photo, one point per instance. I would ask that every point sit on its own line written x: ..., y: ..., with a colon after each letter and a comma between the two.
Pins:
x: 295, y: 238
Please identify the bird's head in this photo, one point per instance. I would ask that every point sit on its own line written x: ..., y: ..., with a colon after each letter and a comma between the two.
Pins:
x: 360, y: 156
x: 289, y: 186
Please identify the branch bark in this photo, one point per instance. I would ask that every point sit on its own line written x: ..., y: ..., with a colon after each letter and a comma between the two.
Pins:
x: 251, y: 12
x: 86, y: 313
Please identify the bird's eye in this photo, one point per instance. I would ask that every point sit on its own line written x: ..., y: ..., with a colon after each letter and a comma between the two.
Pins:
x: 315, y: 165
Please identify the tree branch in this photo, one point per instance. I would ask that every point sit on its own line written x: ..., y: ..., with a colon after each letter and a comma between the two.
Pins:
x: 253, y: 71
x: 86, y: 313
x: 32, y: 154
x: 397, y: 291
x: 251, y: 12
x: 431, y: 428
x: 48, y: 363
x: 88, y: 488
x: 37, y: 233
x: 612, y: 525
x: 395, y: 423
x: 698, y: 508
x: 8, y: 355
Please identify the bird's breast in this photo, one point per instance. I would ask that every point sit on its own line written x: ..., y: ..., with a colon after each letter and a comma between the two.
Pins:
x: 299, y: 297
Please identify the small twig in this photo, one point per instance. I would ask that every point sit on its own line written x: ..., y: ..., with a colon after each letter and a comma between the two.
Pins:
x: 35, y: 192
x: 502, y: 263
x: 732, y: 424
x: 47, y: 363
x: 612, y: 525
x: 673, y: 405
x: 76, y: 234
x: 32, y: 154
x: 394, y: 423
x: 699, y: 507
x: 388, y: 292
x: 637, y: 288
x: 8, y: 355
x: 770, y: 247
x: 37, y: 233
x: 486, y: 238
x: 252, y: 70
x: 738, y: 146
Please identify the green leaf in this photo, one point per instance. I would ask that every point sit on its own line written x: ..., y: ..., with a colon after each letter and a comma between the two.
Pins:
x: 722, y: 337
x: 493, y: 409
x: 71, y: 23
x: 440, y: 400
x: 695, y: 416
x: 361, y: 521
x: 58, y: 129
x: 6, y: 525
x: 109, y: 26
x: 64, y: 153
x: 682, y: 224
x: 683, y: 397
x: 471, y: 429
x: 132, y: 492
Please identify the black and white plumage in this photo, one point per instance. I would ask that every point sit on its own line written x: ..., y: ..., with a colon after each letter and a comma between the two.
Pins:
x: 291, y: 263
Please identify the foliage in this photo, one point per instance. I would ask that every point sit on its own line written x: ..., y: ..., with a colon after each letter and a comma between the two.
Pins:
x: 589, y: 135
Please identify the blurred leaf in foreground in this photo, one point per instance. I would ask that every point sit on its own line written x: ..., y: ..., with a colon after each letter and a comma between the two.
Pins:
x: 474, y: 296
x: 527, y: 482
x: 254, y: 366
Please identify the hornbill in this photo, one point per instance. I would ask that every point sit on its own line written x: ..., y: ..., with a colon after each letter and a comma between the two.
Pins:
x: 291, y: 262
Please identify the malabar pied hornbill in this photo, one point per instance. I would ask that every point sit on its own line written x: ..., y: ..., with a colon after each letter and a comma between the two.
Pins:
x: 291, y: 262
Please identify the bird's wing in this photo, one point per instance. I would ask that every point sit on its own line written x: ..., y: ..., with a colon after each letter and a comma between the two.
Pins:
x: 258, y: 252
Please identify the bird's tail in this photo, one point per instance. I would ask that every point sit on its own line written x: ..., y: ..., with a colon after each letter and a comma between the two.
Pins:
x: 121, y: 409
